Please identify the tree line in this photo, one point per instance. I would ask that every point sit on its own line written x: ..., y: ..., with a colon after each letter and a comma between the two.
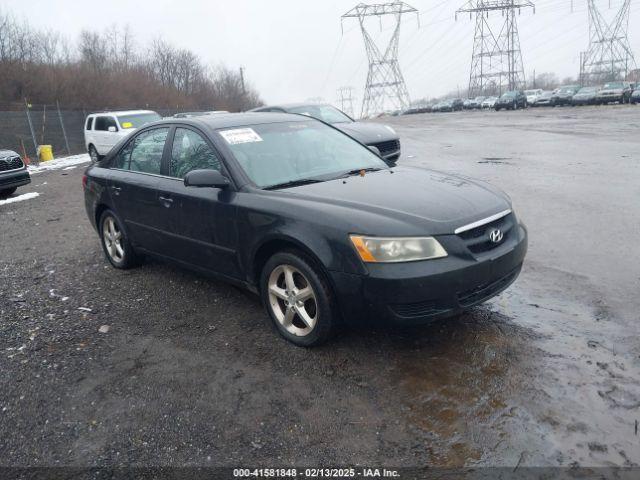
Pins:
x: 109, y: 70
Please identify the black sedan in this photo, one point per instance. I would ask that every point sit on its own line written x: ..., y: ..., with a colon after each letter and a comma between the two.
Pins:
x: 586, y: 96
x: 511, y: 101
x: 312, y: 220
x: 635, y: 96
x: 382, y: 137
x: 564, y: 95
x: 13, y: 173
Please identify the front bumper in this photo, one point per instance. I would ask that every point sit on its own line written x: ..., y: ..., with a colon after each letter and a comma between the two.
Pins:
x: 419, y: 292
x: 608, y: 98
x: 14, y: 178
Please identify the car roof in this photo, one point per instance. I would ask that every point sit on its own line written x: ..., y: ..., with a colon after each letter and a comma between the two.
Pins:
x: 229, y: 120
x: 286, y: 106
x: 123, y: 112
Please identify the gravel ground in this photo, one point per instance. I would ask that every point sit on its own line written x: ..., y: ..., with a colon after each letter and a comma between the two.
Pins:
x: 160, y: 366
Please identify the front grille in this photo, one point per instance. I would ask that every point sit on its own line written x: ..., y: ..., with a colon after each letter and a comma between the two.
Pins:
x: 388, y: 147
x: 10, y: 163
x: 422, y: 309
x: 484, y: 292
x: 477, y: 239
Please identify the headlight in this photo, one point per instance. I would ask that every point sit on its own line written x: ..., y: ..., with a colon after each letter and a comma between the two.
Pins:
x: 390, y: 129
x: 391, y: 250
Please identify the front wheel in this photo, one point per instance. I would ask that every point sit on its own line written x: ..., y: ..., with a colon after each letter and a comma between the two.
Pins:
x: 298, y: 299
x: 93, y: 153
x: 8, y: 192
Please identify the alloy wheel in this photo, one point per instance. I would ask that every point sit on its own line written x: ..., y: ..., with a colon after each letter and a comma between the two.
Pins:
x: 112, y: 237
x: 292, y: 300
x: 93, y: 153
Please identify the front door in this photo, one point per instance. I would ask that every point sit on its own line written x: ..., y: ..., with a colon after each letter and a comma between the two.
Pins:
x: 200, y: 221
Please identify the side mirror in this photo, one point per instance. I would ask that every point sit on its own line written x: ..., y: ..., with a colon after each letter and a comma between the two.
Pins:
x: 375, y: 150
x: 112, y: 129
x: 205, y: 178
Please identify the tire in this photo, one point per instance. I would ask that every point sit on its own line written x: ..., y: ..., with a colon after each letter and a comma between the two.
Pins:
x: 305, y: 321
x: 93, y: 153
x: 115, y: 244
x: 8, y: 192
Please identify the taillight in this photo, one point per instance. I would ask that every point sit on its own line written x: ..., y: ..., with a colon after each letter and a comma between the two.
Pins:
x: 84, y: 181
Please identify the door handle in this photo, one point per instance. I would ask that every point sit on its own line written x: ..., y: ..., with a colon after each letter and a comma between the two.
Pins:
x: 166, y: 201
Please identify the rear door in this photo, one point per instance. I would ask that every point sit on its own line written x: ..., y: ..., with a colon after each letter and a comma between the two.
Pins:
x: 200, y: 221
x: 133, y: 188
x: 104, y: 139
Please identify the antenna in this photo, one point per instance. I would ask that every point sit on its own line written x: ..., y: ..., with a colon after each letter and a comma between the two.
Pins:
x: 496, y: 62
x: 385, y: 88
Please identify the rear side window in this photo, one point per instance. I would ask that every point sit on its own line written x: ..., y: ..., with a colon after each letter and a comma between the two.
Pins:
x: 89, y: 125
x: 144, y: 152
x: 191, y: 152
x: 103, y: 123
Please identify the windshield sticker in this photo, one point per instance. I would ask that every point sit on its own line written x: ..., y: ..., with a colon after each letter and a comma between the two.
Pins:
x: 240, y: 135
x: 127, y: 125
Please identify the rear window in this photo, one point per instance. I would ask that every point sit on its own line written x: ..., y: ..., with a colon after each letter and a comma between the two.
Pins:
x: 137, y: 120
x: 89, y: 125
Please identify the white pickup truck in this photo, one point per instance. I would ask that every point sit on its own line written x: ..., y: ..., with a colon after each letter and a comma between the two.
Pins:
x: 103, y: 130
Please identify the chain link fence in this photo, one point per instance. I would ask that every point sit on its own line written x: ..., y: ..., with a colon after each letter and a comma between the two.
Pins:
x: 24, y: 127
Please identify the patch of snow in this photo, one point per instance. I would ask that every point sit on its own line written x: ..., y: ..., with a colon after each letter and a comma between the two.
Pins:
x: 20, y: 198
x: 60, y: 163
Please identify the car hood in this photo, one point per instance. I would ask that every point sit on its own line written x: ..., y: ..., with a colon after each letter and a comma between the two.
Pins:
x: 401, y: 201
x: 367, y: 132
x: 8, y: 153
x: 506, y: 100
x: 611, y: 90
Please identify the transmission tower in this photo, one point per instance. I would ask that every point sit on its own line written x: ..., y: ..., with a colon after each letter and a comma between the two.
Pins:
x: 346, y: 99
x: 609, y: 56
x: 496, y: 62
x: 385, y: 88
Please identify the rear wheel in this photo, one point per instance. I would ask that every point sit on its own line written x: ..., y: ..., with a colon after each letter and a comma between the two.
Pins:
x: 115, y: 243
x: 8, y: 192
x: 298, y: 299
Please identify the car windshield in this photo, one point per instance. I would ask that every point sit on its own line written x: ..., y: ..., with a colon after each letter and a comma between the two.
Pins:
x: 326, y: 113
x: 509, y: 95
x: 613, y: 85
x: 278, y: 153
x: 532, y: 92
x: 137, y: 120
x: 567, y: 89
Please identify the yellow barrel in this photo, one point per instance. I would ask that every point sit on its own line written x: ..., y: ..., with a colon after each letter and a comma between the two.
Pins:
x: 45, y: 153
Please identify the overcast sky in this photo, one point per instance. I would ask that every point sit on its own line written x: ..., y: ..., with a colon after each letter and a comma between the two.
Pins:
x: 293, y: 50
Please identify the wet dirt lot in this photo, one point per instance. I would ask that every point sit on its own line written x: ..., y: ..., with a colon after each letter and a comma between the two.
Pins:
x: 191, y: 373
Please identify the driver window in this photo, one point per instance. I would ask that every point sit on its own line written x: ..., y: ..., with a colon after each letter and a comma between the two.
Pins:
x: 144, y: 153
x: 191, y: 152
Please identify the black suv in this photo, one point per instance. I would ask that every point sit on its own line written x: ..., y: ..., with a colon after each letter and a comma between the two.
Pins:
x: 512, y: 101
x: 13, y: 173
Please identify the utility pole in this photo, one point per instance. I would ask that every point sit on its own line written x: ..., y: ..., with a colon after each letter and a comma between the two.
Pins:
x: 609, y: 56
x: 385, y: 88
x: 496, y: 62
x: 244, y: 91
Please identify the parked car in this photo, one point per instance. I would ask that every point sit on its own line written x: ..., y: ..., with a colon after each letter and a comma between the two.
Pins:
x: 533, y: 95
x: 511, y: 101
x: 103, y: 130
x: 619, y: 92
x: 310, y: 219
x: 457, y: 104
x: 544, y: 99
x: 13, y: 173
x: 476, y: 103
x: 563, y: 95
x: 445, y: 106
x: 586, y: 96
x: 468, y: 104
x: 489, y: 102
x: 382, y: 137
x: 198, y: 114
x: 414, y: 109
x: 635, y: 97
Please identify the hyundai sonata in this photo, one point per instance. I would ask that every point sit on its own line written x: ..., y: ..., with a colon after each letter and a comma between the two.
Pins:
x: 313, y: 221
